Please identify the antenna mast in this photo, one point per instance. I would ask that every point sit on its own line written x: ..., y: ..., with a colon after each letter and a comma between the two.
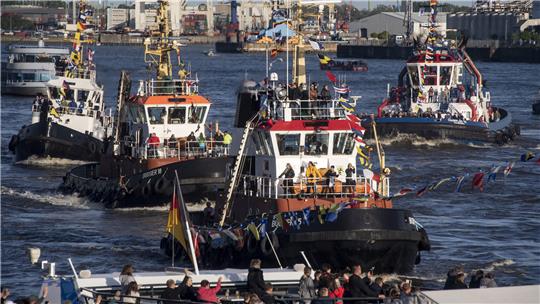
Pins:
x: 407, y: 20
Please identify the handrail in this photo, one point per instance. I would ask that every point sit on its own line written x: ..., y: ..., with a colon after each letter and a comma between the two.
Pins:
x: 181, y: 149
x: 305, y: 109
x: 173, y: 86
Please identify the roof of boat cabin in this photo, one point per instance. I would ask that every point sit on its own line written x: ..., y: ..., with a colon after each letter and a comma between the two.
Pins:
x: 437, y: 58
x: 311, y: 125
x: 175, y: 100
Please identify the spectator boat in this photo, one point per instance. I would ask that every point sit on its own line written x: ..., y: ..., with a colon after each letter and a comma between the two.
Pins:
x: 29, y: 68
x: 341, y: 221
x: 334, y: 64
x: 441, y: 94
x: 159, y: 131
x: 70, y: 122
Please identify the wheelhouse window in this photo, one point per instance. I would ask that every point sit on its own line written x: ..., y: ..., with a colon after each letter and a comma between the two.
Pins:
x: 262, y: 143
x: 430, y: 75
x: 316, y: 144
x: 29, y: 77
x: 288, y: 144
x: 156, y: 115
x: 446, y: 75
x: 413, y: 73
x: 177, y: 115
x: 135, y: 114
x: 196, y: 114
x: 343, y: 143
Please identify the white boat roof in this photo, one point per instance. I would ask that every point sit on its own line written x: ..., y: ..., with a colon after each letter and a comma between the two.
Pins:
x: 512, y: 294
x: 31, y: 49
x: 230, y: 277
x: 85, y: 84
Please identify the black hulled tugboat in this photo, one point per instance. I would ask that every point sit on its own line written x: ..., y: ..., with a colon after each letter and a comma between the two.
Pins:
x: 158, y: 132
x: 441, y: 94
x: 293, y: 189
x: 70, y: 122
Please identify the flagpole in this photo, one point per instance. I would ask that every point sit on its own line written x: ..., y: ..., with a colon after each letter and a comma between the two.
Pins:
x: 273, y: 249
x: 175, y: 212
x: 190, y: 239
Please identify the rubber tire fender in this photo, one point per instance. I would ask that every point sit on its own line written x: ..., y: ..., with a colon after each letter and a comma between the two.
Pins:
x: 147, y: 190
x: 13, y: 142
x: 161, y: 185
x: 264, y: 244
x: 251, y: 244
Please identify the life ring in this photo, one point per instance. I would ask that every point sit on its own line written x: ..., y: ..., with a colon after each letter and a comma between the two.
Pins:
x: 265, y: 248
x: 161, y: 185
x: 147, y: 189
x: 13, y: 142
x: 92, y: 147
x: 251, y: 244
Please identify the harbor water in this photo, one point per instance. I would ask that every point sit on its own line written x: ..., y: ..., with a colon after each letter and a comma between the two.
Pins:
x: 496, y: 230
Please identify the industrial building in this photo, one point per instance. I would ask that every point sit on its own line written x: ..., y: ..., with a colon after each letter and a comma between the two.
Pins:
x: 392, y: 22
x: 119, y: 18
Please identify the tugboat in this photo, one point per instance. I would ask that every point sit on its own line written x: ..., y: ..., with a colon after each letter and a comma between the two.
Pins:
x: 70, y: 122
x: 278, y: 205
x: 28, y: 68
x: 160, y: 131
x: 441, y: 94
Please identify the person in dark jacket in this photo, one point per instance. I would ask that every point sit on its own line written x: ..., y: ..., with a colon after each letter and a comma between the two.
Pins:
x: 451, y: 277
x: 358, y: 287
x: 255, y: 279
x: 460, y: 281
x: 170, y: 293
x: 268, y: 297
x: 186, y: 290
x: 476, y: 278
x: 324, y: 297
x: 288, y: 173
x: 326, y: 279
x: 377, y: 285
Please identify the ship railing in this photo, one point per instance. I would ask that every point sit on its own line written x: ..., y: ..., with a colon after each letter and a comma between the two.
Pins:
x: 172, y: 87
x: 72, y: 111
x: 268, y: 187
x: 186, y: 149
x: 311, y: 109
x: 228, y: 295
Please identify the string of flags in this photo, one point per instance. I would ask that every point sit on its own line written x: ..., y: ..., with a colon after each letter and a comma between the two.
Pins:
x: 477, y: 179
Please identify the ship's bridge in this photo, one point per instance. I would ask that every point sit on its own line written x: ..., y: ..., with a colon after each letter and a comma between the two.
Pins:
x: 437, y: 75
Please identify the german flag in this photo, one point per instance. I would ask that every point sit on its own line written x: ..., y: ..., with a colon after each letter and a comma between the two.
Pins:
x: 80, y: 26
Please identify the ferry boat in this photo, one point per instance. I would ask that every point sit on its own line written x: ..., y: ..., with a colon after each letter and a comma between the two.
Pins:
x: 70, y: 122
x: 278, y: 204
x: 441, y: 94
x: 333, y: 64
x: 159, y: 131
x: 29, y: 68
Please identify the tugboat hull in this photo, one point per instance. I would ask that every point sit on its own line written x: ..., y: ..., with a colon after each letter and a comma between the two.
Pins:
x: 372, y: 237
x: 499, y: 132
x: 200, y: 178
x: 44, y: 139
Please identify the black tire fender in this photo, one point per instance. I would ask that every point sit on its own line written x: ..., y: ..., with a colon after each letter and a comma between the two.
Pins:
x: 251, y: 244
x: 161, y: 185
x: 266, y: 249
x: 13, y: 142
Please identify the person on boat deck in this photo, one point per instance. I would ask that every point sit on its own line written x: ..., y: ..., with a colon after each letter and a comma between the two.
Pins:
x: 132, y: 294
x: 255, y: 279
x: 288, y: 174
x: 350, y: 178
x: 325, y: 93
x: 312, y: 173
x: 153, y: 143
x: 268, y: 297
x: 219, y: 138
x: 172, y: 143
x: 430, y: 94
x: 207, y: 294
x: 293, y: 91
x: 461, y: 93
x: 202, y: 142
x: 377, y: 285
x: 126, y: 277
x: 451, y: 277
x: 476, y: 278
x: 227, y: 138
x: 330, y: 176
x: 306, y: 286
x: 209, y: 214
x: 324, y: 297
x: 186, y: 289
x: 336, y: 290
x: 191, y: 139
x: 170, y: 293
x: 358, y: 287
x: 313, y: 91
x: 326, y: 278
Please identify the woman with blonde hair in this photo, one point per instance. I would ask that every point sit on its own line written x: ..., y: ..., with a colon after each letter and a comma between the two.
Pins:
x: 255, y: 279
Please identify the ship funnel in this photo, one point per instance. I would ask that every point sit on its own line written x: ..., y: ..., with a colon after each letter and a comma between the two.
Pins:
x: 34, y: 253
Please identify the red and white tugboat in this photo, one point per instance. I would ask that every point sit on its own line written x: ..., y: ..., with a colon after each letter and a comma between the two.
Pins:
x: 296, y: 187
x: 441, y: 94
x: 157, y: 132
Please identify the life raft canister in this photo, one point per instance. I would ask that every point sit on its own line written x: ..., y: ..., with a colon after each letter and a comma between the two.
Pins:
x: 266, y: 249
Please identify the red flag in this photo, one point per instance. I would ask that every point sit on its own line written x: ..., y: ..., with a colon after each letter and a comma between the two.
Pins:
x: 331, y: 76
x: 274, y: 53
x: 478, y: 181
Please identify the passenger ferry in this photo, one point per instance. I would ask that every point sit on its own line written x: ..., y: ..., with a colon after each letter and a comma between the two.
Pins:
x: 441, y: 94
x: 297, y: 180
x: 70, y: 121
x: 158, y: 132
x: 29, y: 68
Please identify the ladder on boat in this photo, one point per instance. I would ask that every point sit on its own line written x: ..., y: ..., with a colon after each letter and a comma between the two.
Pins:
x: 124, y: 89
x: 238, y: 165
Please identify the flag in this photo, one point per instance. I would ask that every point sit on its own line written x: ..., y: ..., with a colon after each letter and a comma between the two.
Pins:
x: 80, y: 26
x: 262, y: 227
x: 323, y: 59
x: 345, y: 105
x: 459, y: 182
x: 403, y: 191
x: 363, y: 158
x: 253, y: 229
x: 305, y: 213
x: 353, y: 118
x: 442, y: 181
x: 178, y: 223
x: 316, y: 45
x: 478, y: 181
x: 321, y: 214
x: 273, y: 53
x: 527, y: 156
x: 54, y: 113
x: 508, y: 168
x: 331, y: 76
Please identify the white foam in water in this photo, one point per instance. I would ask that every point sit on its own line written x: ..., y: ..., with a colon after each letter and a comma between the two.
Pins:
x: 50, y: 161
x: 500, y: 263
x: 415, y: 140
x: 56, y: 199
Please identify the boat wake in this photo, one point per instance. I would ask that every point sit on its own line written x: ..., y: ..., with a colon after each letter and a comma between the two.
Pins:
x: 52, y: 198
x: 50, y: 162
x: 418, y: 141
x: 498, y: 264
